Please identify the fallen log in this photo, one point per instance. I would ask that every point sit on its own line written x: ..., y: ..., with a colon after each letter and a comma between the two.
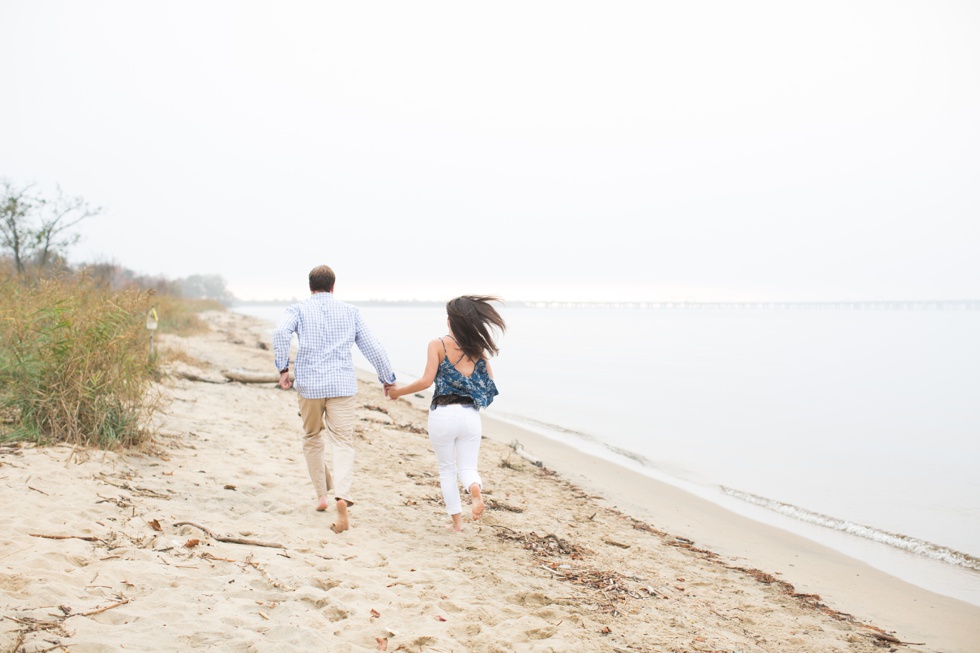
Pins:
x: 519, y: 450
x: 191, y: 376
x: 245, y: 376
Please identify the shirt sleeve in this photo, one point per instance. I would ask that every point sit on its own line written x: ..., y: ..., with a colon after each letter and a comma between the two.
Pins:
x: 372, y: 350
x: 282, y: 337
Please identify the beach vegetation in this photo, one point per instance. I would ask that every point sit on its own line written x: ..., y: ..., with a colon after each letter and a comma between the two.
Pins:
x: 76, y: 361
x: 77, y: 356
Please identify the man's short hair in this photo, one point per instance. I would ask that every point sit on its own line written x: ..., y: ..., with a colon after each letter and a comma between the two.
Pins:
x: 322, y: 278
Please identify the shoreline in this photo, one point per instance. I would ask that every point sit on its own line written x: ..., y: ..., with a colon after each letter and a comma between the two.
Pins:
x: 928, y: 573
x: 208, y: 539
x: 846, y: 584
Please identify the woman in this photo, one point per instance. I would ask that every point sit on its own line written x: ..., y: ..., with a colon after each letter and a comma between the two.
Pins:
x: 458, y: 365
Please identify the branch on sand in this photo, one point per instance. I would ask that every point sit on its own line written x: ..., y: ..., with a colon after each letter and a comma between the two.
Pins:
x: 87, y: 538
x: 230, y: 540
x: 190, y: 376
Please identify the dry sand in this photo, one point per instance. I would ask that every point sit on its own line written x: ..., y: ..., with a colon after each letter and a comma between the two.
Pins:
x: 211, y: 542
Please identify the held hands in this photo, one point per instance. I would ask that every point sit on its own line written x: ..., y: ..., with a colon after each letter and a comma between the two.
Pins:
x: 391, y: 391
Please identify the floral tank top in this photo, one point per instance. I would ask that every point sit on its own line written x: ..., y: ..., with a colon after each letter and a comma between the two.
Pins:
x: 478, y: 386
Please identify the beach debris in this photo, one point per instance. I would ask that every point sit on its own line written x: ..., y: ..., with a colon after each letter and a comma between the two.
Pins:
x: 230, y: 540
x: 611, y: 585
x: 519, y: 450
x: 155, y: 525
x: 545, y: 545
x: 191, y: 376
x: 439, y: 617
x: 493, y: 504
x: 654, y: 592
x: 881, y: 635
x: 55, y: 625
x: 191, y: 543
x: 208, y: 556
x: 87, y: 538
x: 621, y: 545
x: 140, y: 491
x: 684, y: 543
x: 374, y: 614
x: 246, y: 376
x: 382, y: 643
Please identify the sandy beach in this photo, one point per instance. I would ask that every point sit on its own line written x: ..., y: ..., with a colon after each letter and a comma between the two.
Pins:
x: 209, y: 541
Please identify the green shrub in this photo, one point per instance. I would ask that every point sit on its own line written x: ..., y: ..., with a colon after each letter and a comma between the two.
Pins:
x: 74, y: 364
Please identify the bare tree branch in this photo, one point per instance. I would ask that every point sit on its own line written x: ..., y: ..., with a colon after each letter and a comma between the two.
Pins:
x: 36, y: 230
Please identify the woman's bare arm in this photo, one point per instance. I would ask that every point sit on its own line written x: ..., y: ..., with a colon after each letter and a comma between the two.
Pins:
x: 433, y: 358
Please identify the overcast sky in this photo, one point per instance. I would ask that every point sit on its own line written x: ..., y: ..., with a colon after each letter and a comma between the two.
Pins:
x: 538, y: 150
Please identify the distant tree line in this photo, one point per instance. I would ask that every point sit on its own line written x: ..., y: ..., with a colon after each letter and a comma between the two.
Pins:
x: 37, y: 232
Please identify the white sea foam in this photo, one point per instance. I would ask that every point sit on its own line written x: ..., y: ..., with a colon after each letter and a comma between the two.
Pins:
x: 897, y: 540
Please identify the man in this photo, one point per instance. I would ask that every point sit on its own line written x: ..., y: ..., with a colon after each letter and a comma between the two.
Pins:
x: 327, y: 330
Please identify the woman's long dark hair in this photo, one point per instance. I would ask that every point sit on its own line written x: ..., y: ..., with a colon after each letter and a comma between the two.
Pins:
x: 473, y: 320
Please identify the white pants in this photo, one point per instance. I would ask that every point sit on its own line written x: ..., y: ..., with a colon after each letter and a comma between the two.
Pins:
x: 455, y: 432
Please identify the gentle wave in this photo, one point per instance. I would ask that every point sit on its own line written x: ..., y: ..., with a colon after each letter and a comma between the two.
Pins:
x: 616, y: 455
x: 541, y: 426
x: 904, y: 542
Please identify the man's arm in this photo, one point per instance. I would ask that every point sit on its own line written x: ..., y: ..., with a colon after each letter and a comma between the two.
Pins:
x: 282, y: 338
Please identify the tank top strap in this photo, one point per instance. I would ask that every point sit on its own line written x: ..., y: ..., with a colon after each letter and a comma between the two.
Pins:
x: 462, y: 355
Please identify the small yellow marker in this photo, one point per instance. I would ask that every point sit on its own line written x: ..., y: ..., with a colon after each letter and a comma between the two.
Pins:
x: 151, y: 324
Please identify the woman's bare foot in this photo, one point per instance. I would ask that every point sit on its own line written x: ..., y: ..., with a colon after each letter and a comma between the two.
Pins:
x: 457, y: 524
x: 321, y: 504
x: 478, y: 505
x: 342, y: 523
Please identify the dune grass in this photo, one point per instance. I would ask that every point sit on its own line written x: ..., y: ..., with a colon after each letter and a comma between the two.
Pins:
x: 75, y: 363
x: 182, y: 316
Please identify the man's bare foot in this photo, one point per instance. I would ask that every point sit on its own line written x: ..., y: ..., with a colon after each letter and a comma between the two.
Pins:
x: 342, y: 523
x: 478, y: 505
x: 321, y: 504
x: 457, y: 524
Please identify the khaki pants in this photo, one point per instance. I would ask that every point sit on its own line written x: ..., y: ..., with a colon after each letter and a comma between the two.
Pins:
x: 336, y: 414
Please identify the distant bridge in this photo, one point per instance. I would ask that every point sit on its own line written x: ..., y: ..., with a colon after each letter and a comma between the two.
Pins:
x: 884, y: 305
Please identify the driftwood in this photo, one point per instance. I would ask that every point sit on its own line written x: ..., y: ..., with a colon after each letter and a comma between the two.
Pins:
x: 190, y: 376
x: 231, y: 540
x: 100, y: 610
x: 885, y: 637
x: 519, y: 450
x: 87, y: 538
x: 244, y: 376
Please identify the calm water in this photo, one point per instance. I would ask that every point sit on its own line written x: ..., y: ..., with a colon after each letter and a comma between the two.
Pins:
x: 855, y: 428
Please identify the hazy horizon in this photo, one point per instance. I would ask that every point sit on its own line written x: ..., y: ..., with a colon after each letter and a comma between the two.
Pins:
x: 968, y: 302
x: 634, y: 151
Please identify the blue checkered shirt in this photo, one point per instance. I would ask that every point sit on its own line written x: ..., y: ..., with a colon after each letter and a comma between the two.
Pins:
x: 327, y: 330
